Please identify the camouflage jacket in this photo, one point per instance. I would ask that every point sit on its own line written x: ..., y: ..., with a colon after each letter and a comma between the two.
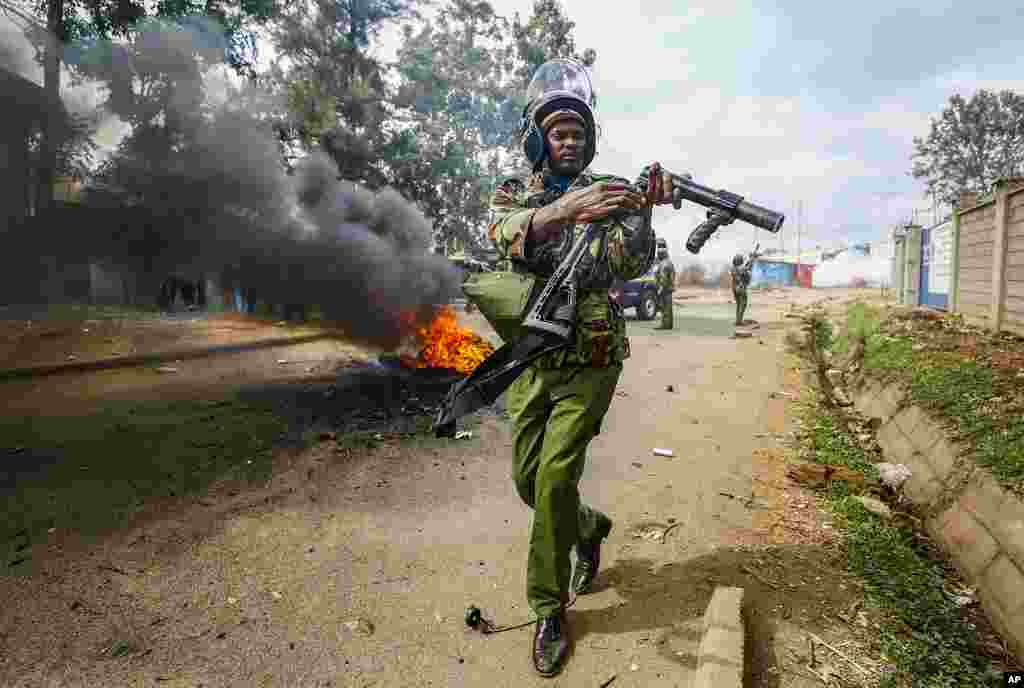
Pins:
x: 740, y: 277
x: 625, y: 251
x: 665, y: 277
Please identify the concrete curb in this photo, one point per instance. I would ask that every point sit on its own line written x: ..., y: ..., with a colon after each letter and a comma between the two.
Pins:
x: 158, y: 357
x: 720, y: 659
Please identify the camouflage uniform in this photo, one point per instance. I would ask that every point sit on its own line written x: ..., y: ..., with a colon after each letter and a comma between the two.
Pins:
x: 740, y: 281
x: 557, y: 405
x: 665, y: 280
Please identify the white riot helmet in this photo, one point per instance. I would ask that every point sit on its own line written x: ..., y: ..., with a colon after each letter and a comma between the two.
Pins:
x: 558, y: 86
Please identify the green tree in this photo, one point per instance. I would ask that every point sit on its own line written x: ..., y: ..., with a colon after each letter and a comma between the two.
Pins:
x: 547, y: 34
x: 64, y: 26
x: 971, y: 144
x: 462, y: 82
x: 335, y: 91
x: 455, y: 108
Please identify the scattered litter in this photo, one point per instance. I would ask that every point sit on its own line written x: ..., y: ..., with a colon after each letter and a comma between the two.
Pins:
x: 232, y: 601
x: 464, y: 435
x: 876, y: 507
x: 663, y: 452
x: 118, y: 648
x: 72, y: 357
x: 51, y: 531
x: 739, y: 334
x: 621, y: 393
x: 282, y: 361
x: 166, y: 369
x: 966, y: 598
x: 438, y: 618
x: 652, y: 531
x: 634, y: 667
x: 637, y: 464
x: 608, y: 681
x: 276, y: 595
x: 894, y: 474
x: 360, y: 626
x: 748, y: 502
x: 670, y: 388
x: 378, y: 437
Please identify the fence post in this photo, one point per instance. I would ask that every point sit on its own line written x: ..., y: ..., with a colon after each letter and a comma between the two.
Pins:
x: 954, y: 283
x: 999, y: 255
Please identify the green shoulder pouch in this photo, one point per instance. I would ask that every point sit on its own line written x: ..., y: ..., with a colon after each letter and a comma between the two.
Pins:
x: 502, y: 298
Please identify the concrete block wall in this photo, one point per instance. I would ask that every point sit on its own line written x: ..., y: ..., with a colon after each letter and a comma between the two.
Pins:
x: 977, y: 522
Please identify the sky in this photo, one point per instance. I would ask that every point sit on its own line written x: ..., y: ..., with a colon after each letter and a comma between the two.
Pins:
x: 786, y: 102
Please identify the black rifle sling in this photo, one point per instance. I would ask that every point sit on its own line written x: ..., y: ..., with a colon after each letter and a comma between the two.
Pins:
x: 492, y: 377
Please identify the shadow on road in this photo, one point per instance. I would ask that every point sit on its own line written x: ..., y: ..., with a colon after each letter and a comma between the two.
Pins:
x: 803, y: 583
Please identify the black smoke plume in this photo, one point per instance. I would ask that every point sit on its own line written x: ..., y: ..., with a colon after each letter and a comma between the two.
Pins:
x: 197, y: 187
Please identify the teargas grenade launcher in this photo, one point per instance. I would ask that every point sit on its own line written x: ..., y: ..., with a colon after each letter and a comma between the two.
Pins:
x: 724, y: 207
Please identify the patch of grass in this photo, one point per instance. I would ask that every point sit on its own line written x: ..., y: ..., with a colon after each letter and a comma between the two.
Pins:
x: 89, y: 473
x: 964, y: 392
x: 924, y: 636
x: 983, y: 408
x: 888, y: 354
x: 833, y: 446
x: 862, y: 320
x: 85, y: 311
x: 927, y: 641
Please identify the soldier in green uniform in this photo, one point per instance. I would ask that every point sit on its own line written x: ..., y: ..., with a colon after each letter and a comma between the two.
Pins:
x: 665, y: 280
x: 740, y: 281
x: 557, y: 405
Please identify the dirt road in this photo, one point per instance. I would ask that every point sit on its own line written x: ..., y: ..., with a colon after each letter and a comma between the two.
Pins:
x: 266, y: 586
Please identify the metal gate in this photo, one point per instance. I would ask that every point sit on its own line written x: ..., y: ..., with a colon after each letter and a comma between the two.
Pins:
x: 936, y: 267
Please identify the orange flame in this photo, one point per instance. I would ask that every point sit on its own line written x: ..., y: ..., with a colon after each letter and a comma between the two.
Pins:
x: 445, y: 344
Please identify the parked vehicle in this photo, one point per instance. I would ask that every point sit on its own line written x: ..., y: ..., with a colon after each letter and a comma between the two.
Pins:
x: 640, y: 293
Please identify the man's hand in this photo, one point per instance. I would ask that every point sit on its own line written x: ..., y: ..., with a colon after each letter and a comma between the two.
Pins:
x: 597, y: 201
x: 589, y: 204
x: 660, y: 185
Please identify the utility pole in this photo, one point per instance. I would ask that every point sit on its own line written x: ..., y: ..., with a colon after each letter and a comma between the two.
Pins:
x: 799, y: 229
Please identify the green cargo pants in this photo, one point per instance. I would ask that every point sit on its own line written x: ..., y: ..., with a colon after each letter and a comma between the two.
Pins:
x: 741, y: 305
x: 555, y: 413
x: 665, y: 302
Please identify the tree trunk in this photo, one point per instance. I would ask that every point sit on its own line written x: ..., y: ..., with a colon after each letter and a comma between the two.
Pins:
x: 51, y: 86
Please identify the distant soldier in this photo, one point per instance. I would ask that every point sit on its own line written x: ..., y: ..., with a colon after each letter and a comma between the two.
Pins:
x: 665, y: 281
x: 740, y: 281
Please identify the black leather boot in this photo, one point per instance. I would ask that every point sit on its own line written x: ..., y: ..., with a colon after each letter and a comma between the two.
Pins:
x: 588, y: 560
x: 550, y: 644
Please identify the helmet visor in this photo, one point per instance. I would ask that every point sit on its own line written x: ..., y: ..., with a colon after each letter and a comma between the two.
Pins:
x: 560, y: 77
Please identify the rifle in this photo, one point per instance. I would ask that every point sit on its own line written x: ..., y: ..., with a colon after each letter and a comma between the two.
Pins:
x: 550, y: 316
x: 754, y: 255
x: 548, y: 327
